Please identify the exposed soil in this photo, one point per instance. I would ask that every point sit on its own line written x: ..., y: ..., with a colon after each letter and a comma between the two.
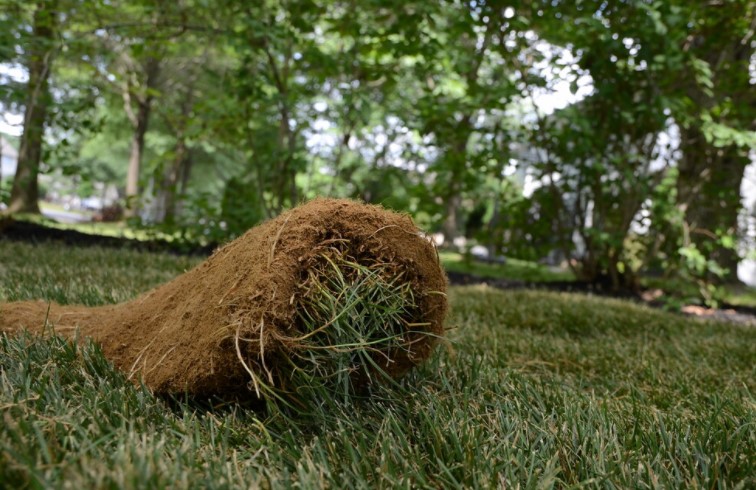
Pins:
x: 202, y: 332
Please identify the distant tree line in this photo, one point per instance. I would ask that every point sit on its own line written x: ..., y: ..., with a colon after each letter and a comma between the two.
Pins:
x: 212, y: 116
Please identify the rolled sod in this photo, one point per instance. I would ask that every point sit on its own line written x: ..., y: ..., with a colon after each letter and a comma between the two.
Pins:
x: 332, y: 294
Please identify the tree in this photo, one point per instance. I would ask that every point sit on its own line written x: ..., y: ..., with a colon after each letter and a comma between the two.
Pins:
x: 267, y: 98
x: 187, y: 89
x: 233, y: 111
x: 465, y: 88
x: 39, y: 53
x: 138, y: 39
x: 600, y: 160
x: 714, y: 124
x: 139, y: 93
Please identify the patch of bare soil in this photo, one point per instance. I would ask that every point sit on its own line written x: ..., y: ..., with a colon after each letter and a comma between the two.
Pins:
x: 743, y: 315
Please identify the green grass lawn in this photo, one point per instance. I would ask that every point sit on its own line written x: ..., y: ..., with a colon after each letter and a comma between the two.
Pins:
x: 513, y: 269
x: 535, y: 390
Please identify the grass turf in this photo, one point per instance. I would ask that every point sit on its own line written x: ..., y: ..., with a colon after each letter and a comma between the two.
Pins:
x: 536, y: 390
x: 512, y: 269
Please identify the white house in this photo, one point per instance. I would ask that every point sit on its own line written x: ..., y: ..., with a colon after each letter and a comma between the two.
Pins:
x: 8, y: 159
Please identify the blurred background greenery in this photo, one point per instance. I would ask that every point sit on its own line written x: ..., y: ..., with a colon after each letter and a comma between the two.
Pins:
x: 608, y: 140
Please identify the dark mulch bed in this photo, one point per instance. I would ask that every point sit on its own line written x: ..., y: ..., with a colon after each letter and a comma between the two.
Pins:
x: 731, y: 313
x: 25, y: 231
x: 458, y: 278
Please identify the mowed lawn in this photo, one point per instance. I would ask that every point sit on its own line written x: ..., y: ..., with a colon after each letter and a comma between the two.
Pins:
x: 534, y: 390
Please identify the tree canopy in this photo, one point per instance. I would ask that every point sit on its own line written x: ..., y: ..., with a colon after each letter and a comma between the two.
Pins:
x: 611, y: 135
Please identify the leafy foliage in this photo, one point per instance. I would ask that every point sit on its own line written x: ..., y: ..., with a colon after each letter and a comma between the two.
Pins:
x: 209, y: 118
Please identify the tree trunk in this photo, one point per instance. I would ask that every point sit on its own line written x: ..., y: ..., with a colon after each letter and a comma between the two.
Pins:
x: 186, y: 173
x: 456, y: 158
x: 710, y: 176
x: 25, y: 191
x: 140, y: 124
x: 176, y: 172
x: 1, y: 167
x: 451, y: 227
x: 135, y: 161
x: 169, y: 186
x: 709, y: 193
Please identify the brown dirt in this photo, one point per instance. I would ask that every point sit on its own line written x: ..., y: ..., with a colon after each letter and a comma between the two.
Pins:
x: 184, y: 336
